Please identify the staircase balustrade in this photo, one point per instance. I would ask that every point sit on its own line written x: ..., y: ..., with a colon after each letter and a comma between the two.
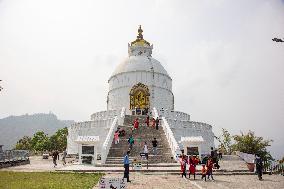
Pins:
x: 108, y: 141
x: 169, y: 134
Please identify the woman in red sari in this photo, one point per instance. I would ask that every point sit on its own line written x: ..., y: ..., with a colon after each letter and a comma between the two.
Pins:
x: 192, y: 167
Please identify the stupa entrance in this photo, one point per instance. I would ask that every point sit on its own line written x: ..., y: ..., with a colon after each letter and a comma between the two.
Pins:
x: 139, y: 99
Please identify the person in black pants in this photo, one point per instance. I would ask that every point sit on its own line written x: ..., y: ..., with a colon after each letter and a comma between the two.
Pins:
x: 126, y: 166
x: 157, y: 123
x: 55, y: 155
x: 259, y: 166
x: 155, y: 144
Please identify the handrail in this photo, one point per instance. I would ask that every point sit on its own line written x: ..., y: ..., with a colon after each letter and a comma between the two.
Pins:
x: 108, y: 141
x: 104, y: 114
x: 155, y: 113
x: 169, y: 134
x: 122, y: 116
x: 248, y: 158
x: 171, y: 114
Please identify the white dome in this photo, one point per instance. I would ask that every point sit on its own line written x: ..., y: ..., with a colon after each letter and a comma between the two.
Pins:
x: 140, y: 63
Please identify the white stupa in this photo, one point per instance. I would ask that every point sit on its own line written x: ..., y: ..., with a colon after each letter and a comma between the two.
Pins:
x: 139, y: 85
x: 140, y: 70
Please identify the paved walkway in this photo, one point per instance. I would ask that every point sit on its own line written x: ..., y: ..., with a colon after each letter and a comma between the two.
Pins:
x: 165, y: 181
x: 37, y: 164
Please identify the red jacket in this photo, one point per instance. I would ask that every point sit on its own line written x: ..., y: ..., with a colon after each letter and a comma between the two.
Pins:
x: 136, y: 124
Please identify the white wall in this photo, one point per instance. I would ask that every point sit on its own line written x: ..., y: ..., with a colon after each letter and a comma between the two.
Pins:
x: 89, y: 128
x: 191, y: 128
x: 160, y: 89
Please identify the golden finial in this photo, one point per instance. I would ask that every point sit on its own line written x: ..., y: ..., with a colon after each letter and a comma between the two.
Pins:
x: 140, y: 40
x: 140, y: 31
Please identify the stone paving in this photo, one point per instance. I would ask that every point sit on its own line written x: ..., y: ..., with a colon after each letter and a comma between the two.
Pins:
x: 232, y: 162
x: 243, y: 181
x: 154, y: 181
x: 166, y: 181
x: 37, y: 164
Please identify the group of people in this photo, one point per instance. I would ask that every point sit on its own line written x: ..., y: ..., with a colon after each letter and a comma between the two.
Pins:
x: 208, y: 163
x: 55, y: 157
x: 154, y: 123
x: 149, y: 122
x: 192, y: 162
x: 126, y: 160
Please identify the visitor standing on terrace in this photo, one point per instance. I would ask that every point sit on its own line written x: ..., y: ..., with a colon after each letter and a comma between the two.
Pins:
x: 259, y: 166
x: 126, y: 166
x: 55, y: 155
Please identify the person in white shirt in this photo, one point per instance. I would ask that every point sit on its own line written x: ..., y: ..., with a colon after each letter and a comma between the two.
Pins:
x: 145, y: 150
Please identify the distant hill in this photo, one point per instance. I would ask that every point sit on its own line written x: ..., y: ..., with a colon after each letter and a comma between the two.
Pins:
x: 13, y: 128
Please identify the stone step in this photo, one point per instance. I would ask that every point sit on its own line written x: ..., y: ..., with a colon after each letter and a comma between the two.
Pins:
x: 143, y: 165
x: 151, y: 170
x: 143, y: 134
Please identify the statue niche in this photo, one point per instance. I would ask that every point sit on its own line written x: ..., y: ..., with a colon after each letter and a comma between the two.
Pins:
x: 139, y: 99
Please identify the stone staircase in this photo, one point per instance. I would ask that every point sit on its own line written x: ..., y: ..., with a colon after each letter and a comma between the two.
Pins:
x: 142, y: 135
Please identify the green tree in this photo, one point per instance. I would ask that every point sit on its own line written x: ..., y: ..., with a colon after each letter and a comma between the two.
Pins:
x: 58, y: 141
x: 225, y: 141
x: 249, y: 143
x: 40, y: 141
x: 24, y: 143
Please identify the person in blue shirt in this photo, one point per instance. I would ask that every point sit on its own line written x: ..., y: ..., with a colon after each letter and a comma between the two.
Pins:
x: 126, y: 166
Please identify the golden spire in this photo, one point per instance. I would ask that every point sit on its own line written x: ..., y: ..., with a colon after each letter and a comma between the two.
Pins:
x: 140, y: 40
x: 140, y: 31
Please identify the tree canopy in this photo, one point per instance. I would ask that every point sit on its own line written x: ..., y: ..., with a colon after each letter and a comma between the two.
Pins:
x: 247, y: 143
x: 42, y: 142
x: 252, y: 144
x: 225, y: 141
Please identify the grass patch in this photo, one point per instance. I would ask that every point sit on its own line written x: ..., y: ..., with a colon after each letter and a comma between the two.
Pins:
x: 32, y: 180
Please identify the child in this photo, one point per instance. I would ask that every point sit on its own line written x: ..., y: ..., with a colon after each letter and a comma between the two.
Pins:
x: 203, y: 172
x: 116, y: 137
x: 209, y: 166
x: 183, y: 166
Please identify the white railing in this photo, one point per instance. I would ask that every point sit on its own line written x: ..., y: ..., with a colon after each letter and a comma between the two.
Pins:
x: 249, y: 158
x: 155, y: 113
x: 108, y: 141
x: 122, y: 116
x: 175, y: 115
x: 104, y: 114
x: 169, y: 134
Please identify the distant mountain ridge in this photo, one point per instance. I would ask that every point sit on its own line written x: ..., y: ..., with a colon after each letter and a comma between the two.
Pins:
x: 13, y: 128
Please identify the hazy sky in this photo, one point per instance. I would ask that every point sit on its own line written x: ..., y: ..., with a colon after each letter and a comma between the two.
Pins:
x: 58, y: 55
